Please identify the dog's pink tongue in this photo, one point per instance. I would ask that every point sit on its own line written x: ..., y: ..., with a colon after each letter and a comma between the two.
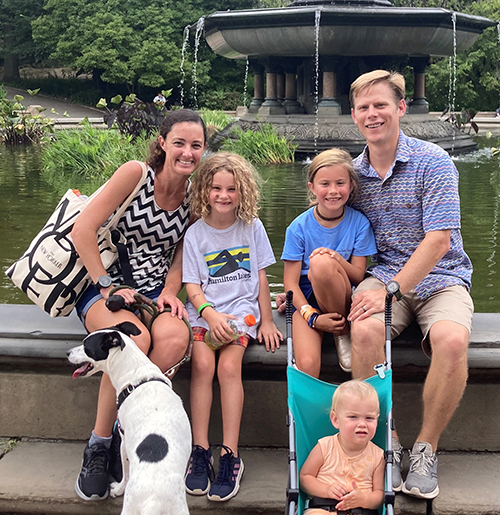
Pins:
x: 81, y: 371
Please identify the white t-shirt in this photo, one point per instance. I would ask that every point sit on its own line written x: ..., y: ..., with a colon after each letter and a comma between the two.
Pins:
x: 226, y: 263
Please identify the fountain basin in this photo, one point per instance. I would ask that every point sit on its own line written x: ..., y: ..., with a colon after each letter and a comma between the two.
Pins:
x: 345, y: 30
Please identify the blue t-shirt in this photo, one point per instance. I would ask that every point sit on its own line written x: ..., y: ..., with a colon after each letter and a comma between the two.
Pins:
x: 353, y: 236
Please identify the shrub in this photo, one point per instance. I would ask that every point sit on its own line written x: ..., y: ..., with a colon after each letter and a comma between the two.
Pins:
x: 90, y: 152
x: 262, y: 146
x: 134, y: 117
x: 20, y: 125
x: 217, y: 119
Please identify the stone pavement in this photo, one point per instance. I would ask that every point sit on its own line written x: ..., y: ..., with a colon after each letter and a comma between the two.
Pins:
x: 75, y: 112
x: 37, y: 477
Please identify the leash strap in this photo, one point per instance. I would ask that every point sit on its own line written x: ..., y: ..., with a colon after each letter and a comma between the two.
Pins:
x: 146, y: 305
x: 126, y: 269
x: 132, y: 387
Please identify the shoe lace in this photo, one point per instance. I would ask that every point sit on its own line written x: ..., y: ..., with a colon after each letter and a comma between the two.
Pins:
x: 398, y: 454
x: 97, y: 461
x: 201, y: 461
x: 224, y: 472
x: 421, y: 463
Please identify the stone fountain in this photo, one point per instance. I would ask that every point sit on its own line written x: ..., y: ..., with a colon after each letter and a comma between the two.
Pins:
x: 305, y: 56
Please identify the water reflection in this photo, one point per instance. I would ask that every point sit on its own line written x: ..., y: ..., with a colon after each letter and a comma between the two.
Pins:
x: 27, y: 201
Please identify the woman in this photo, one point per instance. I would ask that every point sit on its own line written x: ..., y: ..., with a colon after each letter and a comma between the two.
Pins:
x: 153, y: 224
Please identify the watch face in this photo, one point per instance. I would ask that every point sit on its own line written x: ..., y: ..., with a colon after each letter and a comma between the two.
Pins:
x: 392, y: 287
x: 105, y: 281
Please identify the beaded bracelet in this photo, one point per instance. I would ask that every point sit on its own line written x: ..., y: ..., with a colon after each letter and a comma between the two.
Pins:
x: 309, y: 314
x: 203, y: 306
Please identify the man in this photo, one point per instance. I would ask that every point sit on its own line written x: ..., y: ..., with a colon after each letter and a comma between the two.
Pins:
x: 409, y: 192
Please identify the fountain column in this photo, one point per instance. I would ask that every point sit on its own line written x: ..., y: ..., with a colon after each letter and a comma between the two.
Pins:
x: 258, y: 88
x: 290, y: 104
x: 419, y: 104
x: 280, y: 87
x: 328, y: 106
x: 271, y: 105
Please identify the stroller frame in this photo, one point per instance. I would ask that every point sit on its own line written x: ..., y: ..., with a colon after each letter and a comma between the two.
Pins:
x: 381, y: 369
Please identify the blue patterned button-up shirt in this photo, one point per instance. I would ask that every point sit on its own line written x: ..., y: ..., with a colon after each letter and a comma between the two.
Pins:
x: 418, y: 194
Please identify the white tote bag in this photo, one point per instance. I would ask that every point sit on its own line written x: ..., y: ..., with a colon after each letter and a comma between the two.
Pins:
x: 51, y: 272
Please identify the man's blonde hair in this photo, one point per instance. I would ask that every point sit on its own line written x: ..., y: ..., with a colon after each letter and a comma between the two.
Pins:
x: 246, y: 181
x: 354, y: 388
x: 394, y: 79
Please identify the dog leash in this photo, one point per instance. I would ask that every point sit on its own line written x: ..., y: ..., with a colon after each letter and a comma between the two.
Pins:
x: 145, y: 305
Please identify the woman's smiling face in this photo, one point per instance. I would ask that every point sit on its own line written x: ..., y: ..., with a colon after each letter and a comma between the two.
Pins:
x: 183, y: 146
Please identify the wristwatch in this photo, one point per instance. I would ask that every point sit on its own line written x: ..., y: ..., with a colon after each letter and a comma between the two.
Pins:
x: 392, y: 288
x: 103, y: 282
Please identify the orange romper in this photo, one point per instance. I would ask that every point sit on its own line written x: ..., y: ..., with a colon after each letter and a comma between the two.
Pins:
x: 339, y: 467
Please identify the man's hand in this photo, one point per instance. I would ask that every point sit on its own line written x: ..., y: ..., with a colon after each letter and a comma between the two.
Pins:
x: 367, y: 303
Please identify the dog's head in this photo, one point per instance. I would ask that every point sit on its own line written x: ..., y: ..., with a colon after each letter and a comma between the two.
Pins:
x: 92, y: 355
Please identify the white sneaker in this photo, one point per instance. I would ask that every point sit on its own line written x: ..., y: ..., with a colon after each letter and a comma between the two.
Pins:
x: 343, y: 344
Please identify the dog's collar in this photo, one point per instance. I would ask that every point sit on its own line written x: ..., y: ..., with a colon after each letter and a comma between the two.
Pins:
x: 131, y: 387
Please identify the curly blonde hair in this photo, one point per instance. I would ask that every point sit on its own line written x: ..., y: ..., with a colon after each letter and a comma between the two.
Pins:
x: 246, y: 180
x: 332, y: 157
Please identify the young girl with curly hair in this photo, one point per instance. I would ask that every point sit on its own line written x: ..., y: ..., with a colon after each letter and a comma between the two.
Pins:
x: 226, y: 253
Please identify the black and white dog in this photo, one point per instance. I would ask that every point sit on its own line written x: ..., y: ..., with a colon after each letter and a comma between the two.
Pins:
x: 156, y: 435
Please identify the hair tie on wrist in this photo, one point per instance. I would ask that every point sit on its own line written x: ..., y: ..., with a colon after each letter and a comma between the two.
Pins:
x: 203, y: 306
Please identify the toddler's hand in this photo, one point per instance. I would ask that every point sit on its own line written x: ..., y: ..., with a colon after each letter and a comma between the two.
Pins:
x: 354, y: 499
x: 336, y: 491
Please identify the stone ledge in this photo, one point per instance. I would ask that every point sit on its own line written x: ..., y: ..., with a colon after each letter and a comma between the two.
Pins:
x: 27, y: 332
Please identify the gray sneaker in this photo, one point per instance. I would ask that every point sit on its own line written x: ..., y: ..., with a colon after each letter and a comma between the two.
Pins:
x: 422, y: 479
x: 397, y: 480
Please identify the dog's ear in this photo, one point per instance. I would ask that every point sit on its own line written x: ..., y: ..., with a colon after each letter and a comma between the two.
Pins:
x: 98, y: 344
x: 128, y: 328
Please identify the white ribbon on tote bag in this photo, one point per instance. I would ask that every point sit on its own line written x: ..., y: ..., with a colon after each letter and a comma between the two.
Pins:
x: 51, y: 272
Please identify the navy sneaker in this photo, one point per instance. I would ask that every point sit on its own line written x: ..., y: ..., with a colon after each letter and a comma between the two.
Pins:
x: 93, y: 482
x: 200, y: 471
x: 115, y: 460
x: 227, y: 482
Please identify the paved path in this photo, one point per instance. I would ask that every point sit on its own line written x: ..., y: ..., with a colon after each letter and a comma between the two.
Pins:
x: 75, y: 111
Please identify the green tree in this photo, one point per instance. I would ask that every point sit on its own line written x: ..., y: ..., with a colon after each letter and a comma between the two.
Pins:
x: 477, y: 69
x: 137, y: 42
x: 16, y: 46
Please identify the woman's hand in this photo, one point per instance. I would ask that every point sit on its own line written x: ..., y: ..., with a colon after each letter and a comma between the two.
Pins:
x: 167, y: 299
x: 269, y: 335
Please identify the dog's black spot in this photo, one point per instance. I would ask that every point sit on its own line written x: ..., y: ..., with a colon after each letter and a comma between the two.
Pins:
x: 128, y: 328
x: 98, y: 344
x: 152, y: 449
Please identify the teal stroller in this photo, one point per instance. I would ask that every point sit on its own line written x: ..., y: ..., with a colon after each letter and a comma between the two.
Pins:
x: 308, y: 420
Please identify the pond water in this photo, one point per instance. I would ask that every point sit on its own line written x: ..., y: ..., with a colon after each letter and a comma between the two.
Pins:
x: 27, y: 200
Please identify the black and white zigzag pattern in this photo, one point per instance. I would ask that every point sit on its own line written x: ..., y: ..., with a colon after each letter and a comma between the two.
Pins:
x: 152, y: 235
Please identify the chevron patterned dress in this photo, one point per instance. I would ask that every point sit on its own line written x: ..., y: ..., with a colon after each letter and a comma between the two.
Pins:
x: 152, y: 235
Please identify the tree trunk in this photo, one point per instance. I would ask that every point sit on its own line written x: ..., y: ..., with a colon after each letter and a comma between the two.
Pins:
x: 11, y: 68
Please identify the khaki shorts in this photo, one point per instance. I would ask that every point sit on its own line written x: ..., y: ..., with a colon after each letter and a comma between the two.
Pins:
x: 452, y: 304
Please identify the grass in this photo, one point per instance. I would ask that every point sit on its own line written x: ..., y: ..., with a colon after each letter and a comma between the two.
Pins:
x: 90, y: 154
x: 7, y: 445
x: 262, y: 146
